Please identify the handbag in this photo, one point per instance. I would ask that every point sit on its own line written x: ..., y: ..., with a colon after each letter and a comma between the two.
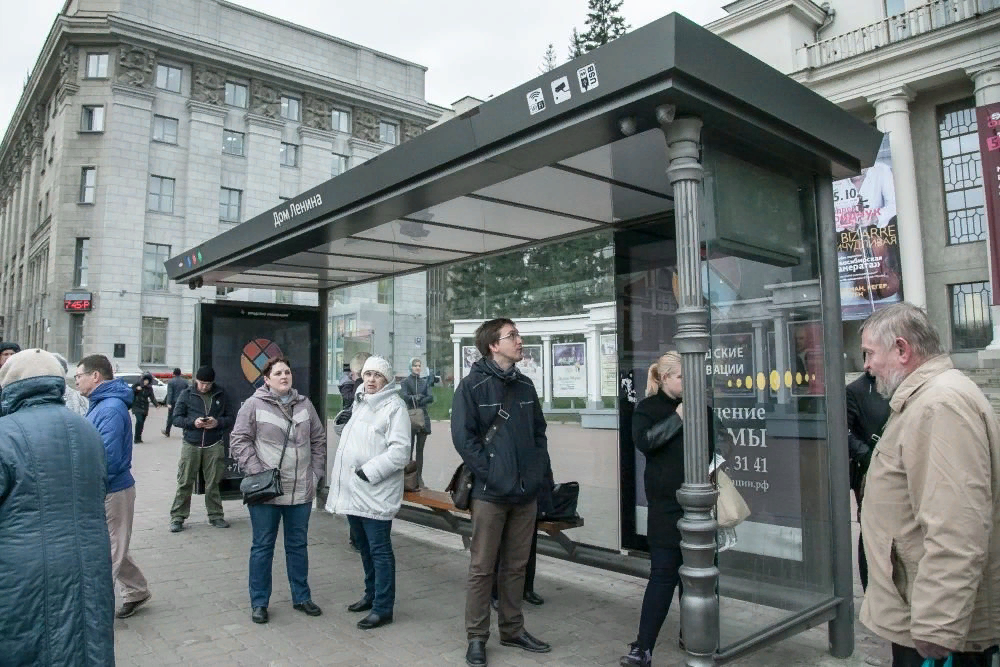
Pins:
x: 565, y: 497
x: 411, y: 481
x: 417, y: 422
x: 731, y: 510
x: 263, y: 486
x: 460, y: 486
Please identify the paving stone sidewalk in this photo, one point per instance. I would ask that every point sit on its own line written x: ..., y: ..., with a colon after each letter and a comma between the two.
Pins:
x: 199, y: 613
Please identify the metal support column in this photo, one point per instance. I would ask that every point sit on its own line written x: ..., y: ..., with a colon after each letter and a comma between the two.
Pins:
x: 699, y: 604
x: 841, y: 628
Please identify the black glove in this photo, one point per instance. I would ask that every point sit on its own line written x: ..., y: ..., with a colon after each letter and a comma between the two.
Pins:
x: 361, y: 473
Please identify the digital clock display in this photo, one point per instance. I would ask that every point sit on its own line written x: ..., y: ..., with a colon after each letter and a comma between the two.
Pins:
x: 77, y: 302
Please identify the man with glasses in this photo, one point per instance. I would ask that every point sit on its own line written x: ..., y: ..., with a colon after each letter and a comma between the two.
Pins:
x: 509, y: 472
x: 110, y: 399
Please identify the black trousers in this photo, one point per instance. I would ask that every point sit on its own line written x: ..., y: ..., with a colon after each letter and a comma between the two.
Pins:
x: 664, y: 577
x: 417, y: 447
x: 140, y: 421
x: 904, y: 656
x: 170, y: 420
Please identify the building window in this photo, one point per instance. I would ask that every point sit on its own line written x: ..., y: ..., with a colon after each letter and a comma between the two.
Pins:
x: 232, y: 142
x: 168, y: 78
x: 341, y: 120
x: 229, y: 204
x: 289, y: 155
x: 46, y: 203
x: 971, y: 324
x: 894, y: 7
x: 236, y: 95
x: 290, y: 108
x: 154, y: 274
x: 165, y: 129
x: 964, y: 198
x: 154, y: 340
x: 52, y: 148
x: 88, y: 185
x: 81, y: 261
x: 75, y: 338
x: 97, y: 65
x: 388, y: 133
x: 339, y: 164
x: 93, y: 119
x: 161, y: 194
x: 385, y: 291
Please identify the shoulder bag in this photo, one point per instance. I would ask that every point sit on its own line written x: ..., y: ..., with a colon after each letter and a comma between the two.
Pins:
x: 417, y: 422
x: 731, y: 509
x: 460, y: 486
x: 264, y: 486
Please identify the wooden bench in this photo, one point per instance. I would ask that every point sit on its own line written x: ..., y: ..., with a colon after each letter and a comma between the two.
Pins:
x: 440, y: 503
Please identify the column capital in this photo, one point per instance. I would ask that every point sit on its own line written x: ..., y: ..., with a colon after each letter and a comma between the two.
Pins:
x: 984, y: 71
x: 683, y: 137
x: 893, y: 99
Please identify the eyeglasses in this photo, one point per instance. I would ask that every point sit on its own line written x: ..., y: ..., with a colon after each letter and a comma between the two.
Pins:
x: 512, y: 334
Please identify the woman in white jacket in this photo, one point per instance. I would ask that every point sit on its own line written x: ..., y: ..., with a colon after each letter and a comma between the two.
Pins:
x: 366, y: 484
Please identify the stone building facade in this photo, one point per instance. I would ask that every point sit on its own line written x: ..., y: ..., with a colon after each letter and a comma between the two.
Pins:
x: 149, y: 127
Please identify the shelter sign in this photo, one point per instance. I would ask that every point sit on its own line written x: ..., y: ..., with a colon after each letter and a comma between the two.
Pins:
x: 988, y: 120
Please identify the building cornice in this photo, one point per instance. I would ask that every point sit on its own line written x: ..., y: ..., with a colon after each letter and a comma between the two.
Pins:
x: 742, y: 19
x: 264, y: 121
x: 314, y: 133
x: 374, y: 146
x: 124, y: 90
x: 204, y: 108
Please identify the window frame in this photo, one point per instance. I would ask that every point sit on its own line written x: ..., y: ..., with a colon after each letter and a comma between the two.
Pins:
x: 984, y: 290
x: 942, y: 111
x: 97, y: 56
x: 157, y: 325
x: 155, y: 279
x: 230, y: 134
x: 81, y: 261
x: 168, y: 70
x: 285, y: 106
x: 235, y: 86
x: 340, y: 158
x: 86, y: 187
x: 160, y: 196
x: 163, y: 139
x: 228, y: 205
x: 87, y: 114
x: 283, y: 154
x: 345, y: 113
x: 384, y: 123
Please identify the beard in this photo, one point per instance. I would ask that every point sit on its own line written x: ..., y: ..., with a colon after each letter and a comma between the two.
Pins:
x: 886, y: 386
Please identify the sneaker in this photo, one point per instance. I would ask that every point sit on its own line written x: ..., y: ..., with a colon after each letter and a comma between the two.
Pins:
x: 636, y: 657
x: 177, y: 525
x: 130, y: 608
x: 219, y: 523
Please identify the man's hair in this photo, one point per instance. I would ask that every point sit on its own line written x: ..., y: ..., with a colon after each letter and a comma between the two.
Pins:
x: 177, y: 371
x: 488, y: 333
x: 99, y: 363
x: 906, y: 321
x: 358, y: 361
x: 269, y: 366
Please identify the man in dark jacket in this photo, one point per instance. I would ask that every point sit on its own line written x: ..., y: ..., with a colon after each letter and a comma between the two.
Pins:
x: 143, y: 396
x: 508, y: 475
x: 109, y: 403
x: 175, y: 386
x: 203, y: 412
x: 56, y: 592
x: 867, y: 413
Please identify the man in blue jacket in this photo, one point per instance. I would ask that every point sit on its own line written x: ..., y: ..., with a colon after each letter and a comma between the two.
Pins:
x: 109, y: 403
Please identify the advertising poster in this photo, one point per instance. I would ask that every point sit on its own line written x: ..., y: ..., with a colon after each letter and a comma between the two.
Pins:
x: 531, y: 366
x: 569, y: 370
x: 988, y: 123
x: 470, y: 355
x: 609, y: 364
x: 729, y: 364
x: 868, y: 239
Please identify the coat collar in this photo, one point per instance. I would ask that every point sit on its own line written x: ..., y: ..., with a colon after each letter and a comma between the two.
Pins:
x: 915, y: 380
x: 379, y: 397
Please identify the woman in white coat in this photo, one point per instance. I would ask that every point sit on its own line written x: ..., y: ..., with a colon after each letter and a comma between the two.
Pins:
x: 366, y: 484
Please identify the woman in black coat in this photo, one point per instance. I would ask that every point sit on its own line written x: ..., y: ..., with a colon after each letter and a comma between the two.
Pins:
x: 416, y: 393
x: 658, y: 432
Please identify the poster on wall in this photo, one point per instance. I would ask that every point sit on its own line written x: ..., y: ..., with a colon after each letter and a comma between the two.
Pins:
x: 470, y: 355
x: 609, y: 364
x: 988, y: 122
x: 868, y: 239
x: 531, y: 366
x: 730, y: 366
x: 569, y: 370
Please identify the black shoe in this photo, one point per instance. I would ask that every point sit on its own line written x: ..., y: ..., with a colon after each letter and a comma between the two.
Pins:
x: 364, y: 604
x: 495, y: 603
x: 373, y: 620
x: 137, y: 441
x: 165, y: 433
x: 219, y: 523
x: 176, y: 525
x: 308, y: 607
x: 259, y: 615
x: 531, y: 597
x: 527, y: 642
x: 476, y: 655
x: 636, y: 657
x: 130, y: 608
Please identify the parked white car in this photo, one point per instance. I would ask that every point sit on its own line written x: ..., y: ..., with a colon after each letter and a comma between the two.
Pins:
x: 159, y: 387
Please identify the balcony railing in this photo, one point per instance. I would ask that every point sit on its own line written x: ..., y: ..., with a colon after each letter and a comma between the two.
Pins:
x: 918, y: 21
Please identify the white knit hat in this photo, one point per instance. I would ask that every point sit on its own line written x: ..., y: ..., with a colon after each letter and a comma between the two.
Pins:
x: 380, y: 366
x: 28, y: 364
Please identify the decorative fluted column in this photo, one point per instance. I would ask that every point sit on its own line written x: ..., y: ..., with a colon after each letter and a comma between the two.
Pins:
x: 547, y: 372
x: 987, y: 85
x: 699, y: 604
x: 457, y: 342
x: 892, y: 115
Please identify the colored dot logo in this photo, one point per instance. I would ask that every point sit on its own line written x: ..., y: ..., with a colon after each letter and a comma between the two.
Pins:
x: 256, y: 354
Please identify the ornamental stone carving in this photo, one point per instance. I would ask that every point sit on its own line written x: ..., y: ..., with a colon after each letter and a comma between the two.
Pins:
x: 264, y: 99
x: 411, y: 130
x: 365, y: 124
x: 136, y: 66
x: 316, y: 112
x: 208, y: 85
x: 69, y: 70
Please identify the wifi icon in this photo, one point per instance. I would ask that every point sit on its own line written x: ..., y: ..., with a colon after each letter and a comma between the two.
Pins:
x: 536, y: 101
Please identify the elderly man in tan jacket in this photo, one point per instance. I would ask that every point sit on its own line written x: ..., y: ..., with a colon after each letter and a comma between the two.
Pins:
x: 931, y: 516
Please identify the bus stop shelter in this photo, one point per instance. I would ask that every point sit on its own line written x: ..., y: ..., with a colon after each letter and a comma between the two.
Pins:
x: 709, y: 168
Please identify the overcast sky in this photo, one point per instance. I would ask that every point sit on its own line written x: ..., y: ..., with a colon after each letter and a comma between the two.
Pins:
x: 469, y: 48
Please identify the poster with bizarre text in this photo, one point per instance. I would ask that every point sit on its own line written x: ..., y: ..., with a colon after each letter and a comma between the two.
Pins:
x: 569, y: 370
x: 531, y: 366
x: 609, y: 364
x: 868, y: 239
x: 470, y: 355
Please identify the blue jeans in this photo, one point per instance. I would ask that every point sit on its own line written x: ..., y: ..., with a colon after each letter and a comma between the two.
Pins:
x: 264, y: 521
x: 375, y: 544
x: 664, y: 576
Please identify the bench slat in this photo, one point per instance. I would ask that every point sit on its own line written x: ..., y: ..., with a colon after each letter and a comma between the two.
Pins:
x: 441, y: 500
